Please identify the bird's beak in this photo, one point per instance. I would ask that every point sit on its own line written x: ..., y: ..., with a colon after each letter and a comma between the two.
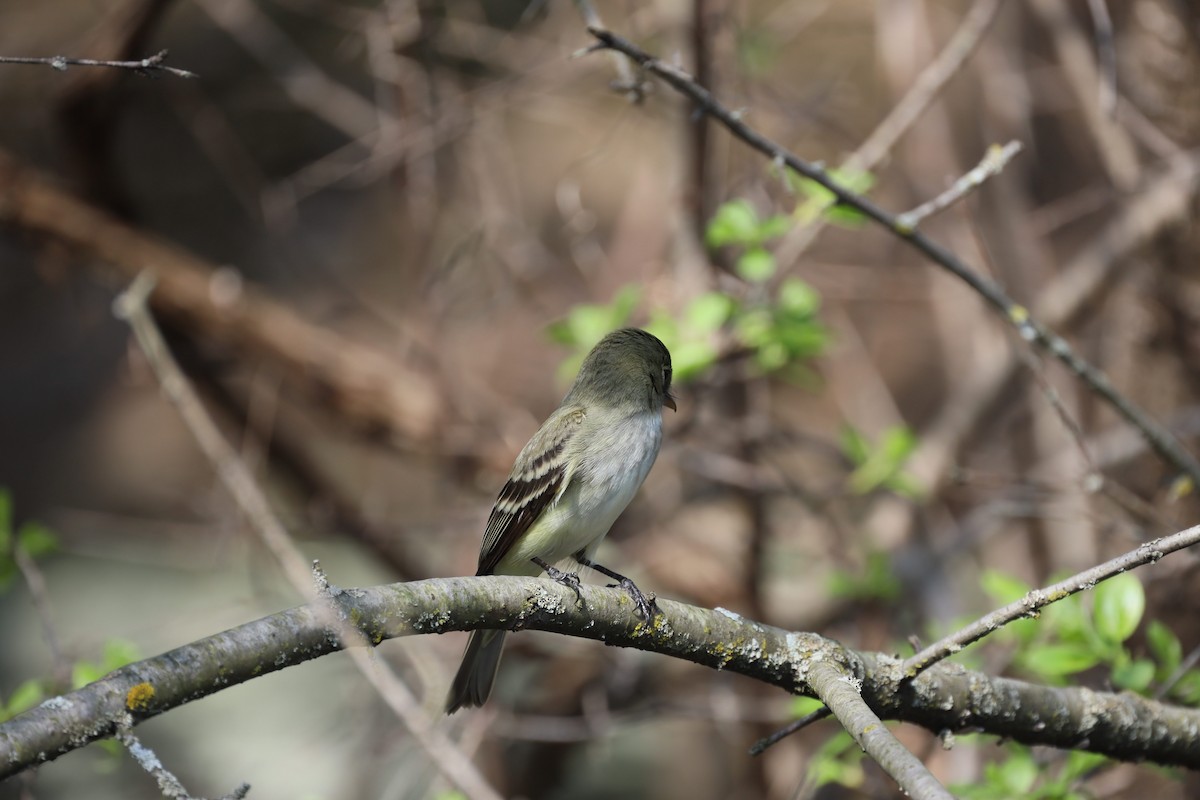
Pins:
x: 669, y: 402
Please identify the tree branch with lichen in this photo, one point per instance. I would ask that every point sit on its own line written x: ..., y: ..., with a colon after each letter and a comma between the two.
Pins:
x: 946, y: 697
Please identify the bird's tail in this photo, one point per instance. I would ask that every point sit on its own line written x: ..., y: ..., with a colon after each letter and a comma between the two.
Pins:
x: 475, y: 677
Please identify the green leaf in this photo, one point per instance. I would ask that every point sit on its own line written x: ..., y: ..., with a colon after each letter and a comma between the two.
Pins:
x: 588, y: 323
x: 1187, y: 689
x: 898, y: 443
x: 1135, y: 675
x: 906, y: 486
x: 774, y: 227
x: 822, y: 202
x: 5, y: 521
x: 816, y: 193
x: 883, y: 462
x: 771, y: 356
x: 1058, y: 660
x: 1080, y: 763
x: 709, y: 311
x: 24, y: 697
x: 1019, y: 772
x: 845, y: 216
x: 803, y: 706
x: 735, y: 222
x: 802, y: 338
x: 798, y: 298
x: 875, y: 581
x: 85, y: 672
x: 837, y: 761
x: 1069, y: 621
x: 624, y: 302
x: 857, y: 181
x: 1119, y: 604
x: 1002, y: 588
x: 689, y: 359
x: 118, y: 653
x: 855, y: 445
x: 756, y: 265
x: 1165, y: 647
x: 36, y: 540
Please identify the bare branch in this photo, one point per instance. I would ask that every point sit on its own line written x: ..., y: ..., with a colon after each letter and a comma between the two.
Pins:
x: 1163, y: 442
x: 992, y: 164
x: 146, y: 66
x: 1028, y: 606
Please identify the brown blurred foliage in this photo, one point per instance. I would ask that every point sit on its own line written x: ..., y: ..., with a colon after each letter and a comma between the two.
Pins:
x: 430, y: 185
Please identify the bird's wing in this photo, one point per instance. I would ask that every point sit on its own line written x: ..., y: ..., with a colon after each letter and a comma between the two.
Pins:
x: 539, y: 477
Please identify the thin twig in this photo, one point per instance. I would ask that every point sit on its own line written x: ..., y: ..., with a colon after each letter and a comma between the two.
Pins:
x: 1175, y: 677
x: 1163, y: 442
x: 992, y: 164
x: 132, y: 306
x: 168, y: 784
x: 1106, y: 56
x: 146, y: 66
x: 759, y: 747
x: 1030, y: 604
x: 36, y: 582
x: 841, y: 694
x: 927, y: 87
x: 628, y: 81
x: 924, y: 90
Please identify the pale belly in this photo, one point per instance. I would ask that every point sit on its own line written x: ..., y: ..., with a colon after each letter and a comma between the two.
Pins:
x: 596, y: 496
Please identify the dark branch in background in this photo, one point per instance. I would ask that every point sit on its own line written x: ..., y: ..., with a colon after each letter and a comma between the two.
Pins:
x: 1106, y: 56
x: 1148, y: 553
x: 146, y: 66
x: 946, y: 697
x: 1018, y: 316
x: 761, y: 746
x: 367, y: 388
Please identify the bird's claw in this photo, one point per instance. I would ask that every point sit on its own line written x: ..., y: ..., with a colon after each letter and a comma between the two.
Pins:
x: 647, y: 608
x: 567, y: 579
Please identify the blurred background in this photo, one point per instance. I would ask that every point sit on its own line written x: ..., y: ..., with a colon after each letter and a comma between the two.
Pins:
x: 393, y: 229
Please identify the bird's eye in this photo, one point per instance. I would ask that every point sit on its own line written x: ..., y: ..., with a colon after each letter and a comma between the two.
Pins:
x: 666, y: 378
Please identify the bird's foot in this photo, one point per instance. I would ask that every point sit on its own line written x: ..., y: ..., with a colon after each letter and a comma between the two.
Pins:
x: 568, y: 579
x: 647, y: 608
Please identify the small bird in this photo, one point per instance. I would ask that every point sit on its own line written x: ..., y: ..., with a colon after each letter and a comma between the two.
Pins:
x: 571, y: 482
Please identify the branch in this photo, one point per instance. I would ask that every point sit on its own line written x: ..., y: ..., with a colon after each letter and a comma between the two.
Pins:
x: 946, y: 697
x: 1028, y: 606
x: 363, y: 384
x: 839, y: 692
x: 992, y: 164
x: 1163, y: 442
x: 146, y: 66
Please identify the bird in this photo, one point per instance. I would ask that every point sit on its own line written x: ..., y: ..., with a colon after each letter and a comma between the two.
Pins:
x: 570, y: 483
